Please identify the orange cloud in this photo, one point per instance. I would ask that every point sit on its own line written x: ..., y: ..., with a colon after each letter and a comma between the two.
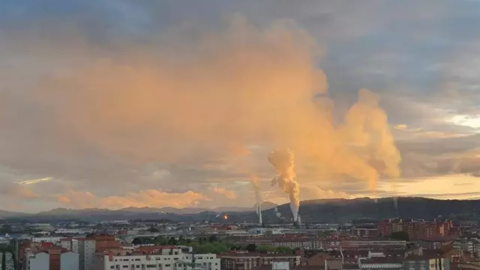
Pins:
x: 244, y: 86
x: 25, y: 193
x: 228, y: 194
x: 17, y: 191
x: 315, y: 193
x: 144, y: 198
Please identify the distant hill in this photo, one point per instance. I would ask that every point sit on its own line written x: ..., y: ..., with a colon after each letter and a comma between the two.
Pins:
x: 165, y: 213
x: 343, y: 210
x: 324, y: 211
x: 7, y: 214
x: 268, y: 205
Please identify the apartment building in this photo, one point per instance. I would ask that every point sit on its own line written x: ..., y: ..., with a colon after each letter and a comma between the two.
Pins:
x: 157, y: 258
x: 85, y: 249
x: 37, y: 261
x: 52, y: 259
x: 239, y: 260
x: 416, y: 229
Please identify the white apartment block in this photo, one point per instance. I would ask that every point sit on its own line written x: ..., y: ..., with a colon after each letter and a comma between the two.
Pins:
x: 173, y: 259
x: 41, y: 261
x: 85, y: 249
x: 51, y: 239
x: 38, y: 261
x: 69, y: 261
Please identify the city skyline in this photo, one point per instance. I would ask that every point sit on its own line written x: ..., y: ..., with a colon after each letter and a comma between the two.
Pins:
x: 116, y: 104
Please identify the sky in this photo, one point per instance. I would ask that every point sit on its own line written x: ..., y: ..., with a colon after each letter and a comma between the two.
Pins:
x: 123, y: 103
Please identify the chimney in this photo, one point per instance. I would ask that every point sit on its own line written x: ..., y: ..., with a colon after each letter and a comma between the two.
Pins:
x: 259, y: 211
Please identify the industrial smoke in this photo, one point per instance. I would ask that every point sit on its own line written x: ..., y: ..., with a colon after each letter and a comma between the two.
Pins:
x: 284, y: 163
x: 261, y: 85
x: 258, y: 196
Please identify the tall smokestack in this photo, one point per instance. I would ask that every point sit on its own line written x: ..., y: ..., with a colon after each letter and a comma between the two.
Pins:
x: 258, y: 196
x: 259, y: 213
x: 284, y: 163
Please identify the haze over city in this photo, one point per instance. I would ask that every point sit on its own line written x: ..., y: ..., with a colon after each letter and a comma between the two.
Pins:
x: 115, y: 104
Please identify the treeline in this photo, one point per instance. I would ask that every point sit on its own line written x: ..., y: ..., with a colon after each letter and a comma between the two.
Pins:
x: 210, y: 244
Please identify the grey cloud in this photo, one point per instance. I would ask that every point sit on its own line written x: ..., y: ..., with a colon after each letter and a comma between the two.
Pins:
x: 440, y: 156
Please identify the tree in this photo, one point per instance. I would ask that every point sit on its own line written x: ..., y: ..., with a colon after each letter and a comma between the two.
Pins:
x: 143, y: 241
x: 265, y: 249
x: 400, y: 236
x: 212, y: 238
x: 137, y: 241
x: 284, y: 250
x: 182, y: 240
x: 153, y: 229
x: 172, y: 241
x: 251, y: 248
x: 160, y: 240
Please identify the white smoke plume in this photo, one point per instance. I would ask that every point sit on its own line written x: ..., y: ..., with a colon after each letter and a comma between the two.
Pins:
x: 284, y: 163
x: 258, y: 196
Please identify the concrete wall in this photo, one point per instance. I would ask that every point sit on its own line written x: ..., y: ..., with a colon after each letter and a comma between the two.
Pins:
x: 69, y: 261
x: 89, y: 254
x: 40, y: 261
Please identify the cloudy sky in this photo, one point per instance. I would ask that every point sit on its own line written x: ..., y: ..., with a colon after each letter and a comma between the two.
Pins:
x: 120, y: 103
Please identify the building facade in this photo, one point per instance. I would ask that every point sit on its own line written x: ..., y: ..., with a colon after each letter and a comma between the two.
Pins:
x: 84, y: 247
x: 427, y: 264
x: 158, y: 258
x: 38, y: 261
x: 416, y: 229
x: 248, y: 260
x: 69, y: 261
x: 471, y: 246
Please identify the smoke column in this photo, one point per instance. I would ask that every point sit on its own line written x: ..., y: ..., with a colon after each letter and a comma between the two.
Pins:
x: 284, y: 163
x: 256, y: 186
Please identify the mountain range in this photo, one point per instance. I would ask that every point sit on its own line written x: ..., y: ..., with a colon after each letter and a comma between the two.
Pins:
x: 99, y: 214
x: 324, y: 211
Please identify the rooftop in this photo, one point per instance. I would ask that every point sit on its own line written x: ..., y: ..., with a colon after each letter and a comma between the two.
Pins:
x: 254, y: 254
